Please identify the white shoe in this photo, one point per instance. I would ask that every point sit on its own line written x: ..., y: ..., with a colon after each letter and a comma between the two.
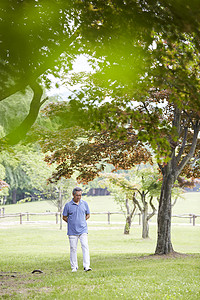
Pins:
x: 74, y: 270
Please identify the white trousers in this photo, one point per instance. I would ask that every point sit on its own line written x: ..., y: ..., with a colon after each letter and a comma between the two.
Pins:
x: 73, y: 241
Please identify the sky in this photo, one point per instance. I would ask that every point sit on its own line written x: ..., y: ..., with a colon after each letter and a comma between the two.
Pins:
x: 80, y: 65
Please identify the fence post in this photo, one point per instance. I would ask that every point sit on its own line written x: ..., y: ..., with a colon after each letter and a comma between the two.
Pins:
x: 27, y: 215
x: 20, y: 217
x: 190, y: 218
x: 193, y: 217
x: 3, y: 211
x: 108, y: 217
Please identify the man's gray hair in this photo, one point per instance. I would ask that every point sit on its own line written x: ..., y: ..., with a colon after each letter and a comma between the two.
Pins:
x: 76, y: 189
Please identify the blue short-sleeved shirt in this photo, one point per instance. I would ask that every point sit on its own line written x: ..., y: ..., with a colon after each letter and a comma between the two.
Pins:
x: 76, y: 223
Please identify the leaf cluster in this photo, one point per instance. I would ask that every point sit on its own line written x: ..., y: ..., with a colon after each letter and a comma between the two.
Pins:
x: 88, y: 152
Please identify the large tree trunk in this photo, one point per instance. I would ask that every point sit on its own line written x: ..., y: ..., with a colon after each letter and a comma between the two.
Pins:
x: 164, y: 244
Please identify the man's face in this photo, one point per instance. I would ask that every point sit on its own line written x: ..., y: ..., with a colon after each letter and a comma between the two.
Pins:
x: 77, y: 196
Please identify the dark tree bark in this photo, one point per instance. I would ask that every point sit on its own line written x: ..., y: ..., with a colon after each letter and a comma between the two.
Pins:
x: 164, y: 245
x: 14, y: 196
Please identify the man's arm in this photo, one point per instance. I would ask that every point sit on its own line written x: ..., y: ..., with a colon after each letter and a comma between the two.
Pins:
x: 65, y: 218
x: 87, y: 216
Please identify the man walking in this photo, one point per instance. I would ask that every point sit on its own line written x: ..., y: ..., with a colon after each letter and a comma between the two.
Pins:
x: 75, y: 213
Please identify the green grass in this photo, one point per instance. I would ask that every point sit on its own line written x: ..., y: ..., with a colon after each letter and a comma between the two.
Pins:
x: 123, y: 267
x: 122, y: 276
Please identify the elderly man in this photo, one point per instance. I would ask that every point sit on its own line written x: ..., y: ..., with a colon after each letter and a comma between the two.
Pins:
x: 75, y: 213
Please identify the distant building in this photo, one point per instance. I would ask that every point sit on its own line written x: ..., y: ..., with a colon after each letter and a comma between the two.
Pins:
x: 98, y: 192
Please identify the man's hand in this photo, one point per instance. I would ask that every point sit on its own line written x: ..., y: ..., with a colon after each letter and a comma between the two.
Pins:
x: 87, y: 216
x: 65, y: 218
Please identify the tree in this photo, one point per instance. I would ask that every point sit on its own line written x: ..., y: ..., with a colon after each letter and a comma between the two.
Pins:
x: 123, y: 197
x: 15, y: 175
x: 168, y: 102
x: 25, y: 171
x: 141, y: 186
x: 182, y: 79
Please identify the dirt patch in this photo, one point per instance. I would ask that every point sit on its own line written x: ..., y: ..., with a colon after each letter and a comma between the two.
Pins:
x: 13, y: 283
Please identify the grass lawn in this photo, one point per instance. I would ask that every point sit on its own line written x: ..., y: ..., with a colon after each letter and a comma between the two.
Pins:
x: 123, y: 267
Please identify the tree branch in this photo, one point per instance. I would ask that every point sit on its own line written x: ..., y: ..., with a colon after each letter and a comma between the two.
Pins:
x: 133, y: 211
x: 174, y: 202
x: 186, y: 159
x: 136, y: 202
x: 20, y: 132
x: 183, y: 145
x: 189, y: 117
x: 154, y: 209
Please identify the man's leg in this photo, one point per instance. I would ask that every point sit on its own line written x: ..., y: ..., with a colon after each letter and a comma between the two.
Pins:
x: 73, y: 241
x: 85, y: 249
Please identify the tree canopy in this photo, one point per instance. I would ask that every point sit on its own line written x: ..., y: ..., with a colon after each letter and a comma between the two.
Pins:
x: 42, y: 37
